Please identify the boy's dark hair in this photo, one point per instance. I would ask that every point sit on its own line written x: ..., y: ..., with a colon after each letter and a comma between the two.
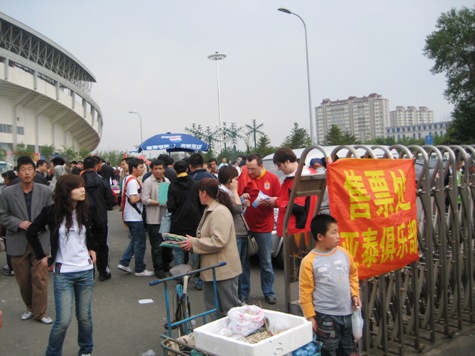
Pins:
x: 24, y: 160
x: 11, y: 175
x: 157, y: 162
x: 196, y: 160
x: 283, y: 155
x: 255, y: 156
x: 180, y: 166
x: 211, y: 160
x: 90, y: 162
x: 320, y: 224
x: 40, y: 162
x: 134, y: 163
x: 166, y: 159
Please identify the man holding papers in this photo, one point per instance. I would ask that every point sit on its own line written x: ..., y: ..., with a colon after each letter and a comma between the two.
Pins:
x: 154, y: 196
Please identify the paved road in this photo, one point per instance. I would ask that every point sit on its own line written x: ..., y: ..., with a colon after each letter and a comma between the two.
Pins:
x: 124, y: 327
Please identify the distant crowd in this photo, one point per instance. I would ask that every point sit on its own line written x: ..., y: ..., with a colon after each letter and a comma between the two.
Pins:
x: 55, y: 217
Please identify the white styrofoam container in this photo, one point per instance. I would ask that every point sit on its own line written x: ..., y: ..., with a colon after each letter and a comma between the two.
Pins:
x: 298, y: 333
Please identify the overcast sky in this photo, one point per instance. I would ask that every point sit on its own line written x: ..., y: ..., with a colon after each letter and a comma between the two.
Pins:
x: 150, y: 56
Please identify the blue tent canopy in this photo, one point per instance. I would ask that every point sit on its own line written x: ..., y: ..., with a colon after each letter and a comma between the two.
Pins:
x: 173, y: 142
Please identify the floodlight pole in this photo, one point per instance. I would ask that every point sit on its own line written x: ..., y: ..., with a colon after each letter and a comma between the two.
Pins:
x: 217, y: 57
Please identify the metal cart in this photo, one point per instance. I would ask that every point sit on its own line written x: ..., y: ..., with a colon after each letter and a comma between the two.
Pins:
x: 177, y: 345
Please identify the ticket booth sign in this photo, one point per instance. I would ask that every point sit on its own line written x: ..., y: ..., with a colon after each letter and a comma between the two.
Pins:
x: 374, y: 202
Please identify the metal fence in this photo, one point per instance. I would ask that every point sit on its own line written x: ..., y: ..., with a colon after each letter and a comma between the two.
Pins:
x: 432, y: 298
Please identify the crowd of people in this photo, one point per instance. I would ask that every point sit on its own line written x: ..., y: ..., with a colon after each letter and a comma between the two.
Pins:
x: 58, y: 221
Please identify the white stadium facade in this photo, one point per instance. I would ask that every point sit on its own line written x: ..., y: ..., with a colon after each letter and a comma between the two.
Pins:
x: 44, y: 93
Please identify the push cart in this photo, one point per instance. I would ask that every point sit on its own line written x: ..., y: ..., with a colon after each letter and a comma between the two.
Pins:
x: 183, y: 319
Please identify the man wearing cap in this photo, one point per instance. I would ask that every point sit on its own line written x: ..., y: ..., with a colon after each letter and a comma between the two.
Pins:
x: 316, y: 166
x: 20, y: 204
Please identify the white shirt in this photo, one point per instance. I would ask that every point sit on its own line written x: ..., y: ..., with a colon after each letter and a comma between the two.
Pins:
x: 72, y: 250
x: 133, y: 188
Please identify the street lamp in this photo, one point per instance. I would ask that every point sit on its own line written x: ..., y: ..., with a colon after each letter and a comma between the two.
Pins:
x: 312, y: 124
x: 217, y: 57
x: 140, y: 117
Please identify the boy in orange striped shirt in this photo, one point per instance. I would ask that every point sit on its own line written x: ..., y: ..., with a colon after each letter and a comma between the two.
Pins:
x: 328, y: 287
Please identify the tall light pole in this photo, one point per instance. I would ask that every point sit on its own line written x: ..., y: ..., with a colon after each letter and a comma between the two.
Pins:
x: 140, y: 117
x: 310, y: 109
x: 217, y: 57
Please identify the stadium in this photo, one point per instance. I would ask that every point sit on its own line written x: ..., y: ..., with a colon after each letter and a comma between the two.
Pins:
x: 44, y: 93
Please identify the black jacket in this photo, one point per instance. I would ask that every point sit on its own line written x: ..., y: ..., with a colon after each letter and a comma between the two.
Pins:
x: 99, y: 195
x: 184, y: 204
x: 46, y: 218
x: 40, y: 178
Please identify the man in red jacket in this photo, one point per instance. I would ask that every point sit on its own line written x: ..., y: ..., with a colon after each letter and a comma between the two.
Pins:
x: 255, y: 181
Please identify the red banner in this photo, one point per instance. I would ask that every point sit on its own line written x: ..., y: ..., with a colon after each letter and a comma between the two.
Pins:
x: 374, y: 202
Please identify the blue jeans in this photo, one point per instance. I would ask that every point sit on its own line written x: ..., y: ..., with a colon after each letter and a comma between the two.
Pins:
x: 67, y: 287
x: 264, y: 241
x: 244, y: 288
x: 136, y: 246
x: 195, y: 263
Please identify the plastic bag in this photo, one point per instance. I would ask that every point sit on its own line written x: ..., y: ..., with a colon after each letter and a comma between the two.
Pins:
x: 357, y: 324
x: 246, y: 319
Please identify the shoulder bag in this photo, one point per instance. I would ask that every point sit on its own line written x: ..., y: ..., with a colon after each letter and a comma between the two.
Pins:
x: 252, y: 245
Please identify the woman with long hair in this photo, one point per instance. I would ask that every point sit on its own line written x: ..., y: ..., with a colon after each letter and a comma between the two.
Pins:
x: 72, y: 258
x: 228, y: 179
x: 215, y: 242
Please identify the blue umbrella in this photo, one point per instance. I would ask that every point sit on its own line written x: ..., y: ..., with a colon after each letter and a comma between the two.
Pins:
x: 173, y: 142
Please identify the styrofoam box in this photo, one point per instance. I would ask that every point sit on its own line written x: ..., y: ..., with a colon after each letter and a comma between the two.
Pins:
x: 298, y: 333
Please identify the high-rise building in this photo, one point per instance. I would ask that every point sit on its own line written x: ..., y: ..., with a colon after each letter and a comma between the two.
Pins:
x: 411, y: 116
x: 365, y: 118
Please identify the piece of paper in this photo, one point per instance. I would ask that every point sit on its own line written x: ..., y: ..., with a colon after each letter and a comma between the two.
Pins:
x: 145, y: 301
x: 163, y: 192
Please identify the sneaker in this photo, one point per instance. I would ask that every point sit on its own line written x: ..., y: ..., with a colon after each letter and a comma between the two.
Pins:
x: 85, y: 354
x: 46, y: 320
x: 9, y: 273
x: 144, y: 273
x: 6, y: 268
x: 270, y: 299
x: 27, y: 315
x: 104, y: 278
x: 125, y: 268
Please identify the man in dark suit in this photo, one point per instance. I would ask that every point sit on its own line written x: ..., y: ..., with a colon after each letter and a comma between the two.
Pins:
x: 20, y: 204
x: 41, y: 168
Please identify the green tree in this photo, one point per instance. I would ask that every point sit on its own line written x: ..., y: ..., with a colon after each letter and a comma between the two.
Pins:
x: 47, y: 151
x: 70, y: 154
x: 208, y: 134
x: 452, y: 47
x: 264, y: 147
x: 24, y: 150
x: 253, y: 131
x: 3, y: 154
x: 335, y: 136
x: 298, y: 138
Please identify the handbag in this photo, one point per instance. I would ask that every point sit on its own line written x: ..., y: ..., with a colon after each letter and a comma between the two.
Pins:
x: 165, y: 223
x: 252, y: 246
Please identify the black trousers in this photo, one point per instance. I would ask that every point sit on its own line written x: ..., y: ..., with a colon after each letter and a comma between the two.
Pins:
x: 102, y: 252
x: 161, y: 256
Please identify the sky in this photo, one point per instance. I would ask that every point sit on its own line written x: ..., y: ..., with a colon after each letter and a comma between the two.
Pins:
x: 151, y: 57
